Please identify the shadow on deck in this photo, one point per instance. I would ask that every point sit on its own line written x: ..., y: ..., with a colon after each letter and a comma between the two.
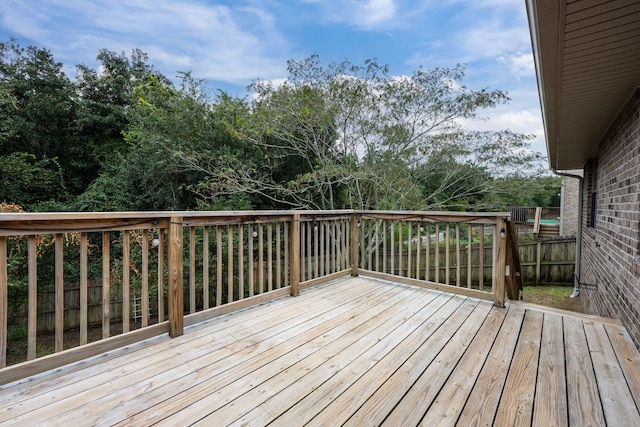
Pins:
x: 355, y: 351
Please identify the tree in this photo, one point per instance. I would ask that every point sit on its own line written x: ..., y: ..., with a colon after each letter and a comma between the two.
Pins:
x: 29, y: 182
x: 37, y: 112
x: 106, y: 95
x: 354, y: 136
x: 153, y: 172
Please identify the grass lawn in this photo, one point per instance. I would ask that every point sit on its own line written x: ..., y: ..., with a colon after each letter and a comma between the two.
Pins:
x: 553, y: 296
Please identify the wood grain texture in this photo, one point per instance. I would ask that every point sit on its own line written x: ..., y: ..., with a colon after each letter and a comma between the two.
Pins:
x: 516, y: 403
x: 551, y: 376
x: 175, y: 269
x: 294, y: 253
x: 583, y: 397
x: 353, y: 351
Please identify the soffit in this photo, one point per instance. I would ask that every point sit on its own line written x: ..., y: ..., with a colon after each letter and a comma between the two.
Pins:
x: 587, y: 56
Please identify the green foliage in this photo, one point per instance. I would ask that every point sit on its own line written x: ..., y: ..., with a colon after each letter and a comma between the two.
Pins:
x: 334, y: 136
x: 30, y: 182
x: 349, y: 135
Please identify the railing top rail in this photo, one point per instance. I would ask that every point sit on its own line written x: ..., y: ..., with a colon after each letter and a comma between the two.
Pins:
x: 472, y: 217
x: 12, y: 224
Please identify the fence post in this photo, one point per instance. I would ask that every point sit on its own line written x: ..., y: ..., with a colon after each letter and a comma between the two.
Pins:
x: 294, y: 253
x: 538, y: 261
x: 500, y: 262
x: 355, y: 250
x: 175, y: 266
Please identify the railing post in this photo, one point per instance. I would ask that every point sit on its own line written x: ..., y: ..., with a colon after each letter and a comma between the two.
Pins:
x: 355, y: 250
x: 294, y: 253
x: 500, y: 262
x: 176, y: 293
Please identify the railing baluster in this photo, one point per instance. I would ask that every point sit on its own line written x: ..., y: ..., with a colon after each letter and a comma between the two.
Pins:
x: 251, y: 257
x: 409, y: 248
x: 218, y: 265
x: 384, y: 246
x: 192, y: 269
x: 4, y: 301
x: 437, y: 253
x: 364, y: 241
x: 400, y: 248
x: 303, y: 250
x: 481, y: 256
x: 316, y: 255
x: 59, y: 285
x: 161, y: 240
x: 334, y: 247
x: 393, y: 248
x: 294, y: 251
x: 145, y: 278
x: 205, y: 267
x: 260, y: 259
x: 367, y: 230
x: 469, y: 246
x: 340, y: 248
x: 32, y: 300
x: 457, y: 254
x: 418, y: 250
x: 241, y: 261
x: 494, y: 254
x: 322, y: 248
x: 427, y: 260
x: 287, y: 233
x: 307, y: 238
x: 270, y: 256
x: 347, y: 244
x: 355, y: 262
x: 106, y: 266
x: 84, y: 287
x: 377, y: 245
x: 447, y: 249
x: 229, y: 263
x: 126, y: 280
x: 278, y: 256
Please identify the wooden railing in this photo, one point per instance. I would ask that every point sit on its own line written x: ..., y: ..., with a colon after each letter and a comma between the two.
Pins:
x: 157, y: 272
x: 465, y: 250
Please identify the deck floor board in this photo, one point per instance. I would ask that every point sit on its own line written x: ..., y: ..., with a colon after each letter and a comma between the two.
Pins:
x: 356, y: 351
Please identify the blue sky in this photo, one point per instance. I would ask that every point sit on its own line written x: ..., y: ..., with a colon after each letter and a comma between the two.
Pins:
x: 231, y: 43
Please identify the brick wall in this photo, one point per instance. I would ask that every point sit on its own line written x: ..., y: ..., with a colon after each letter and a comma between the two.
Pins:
x: 569, y: 204
x: 610, y: 257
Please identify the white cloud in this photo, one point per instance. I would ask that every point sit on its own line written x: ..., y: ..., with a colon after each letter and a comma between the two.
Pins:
x: 365, y: 14
x: 504, y: 117
x: 520, y: 64
x: 491, y: 41
x: 218, y: 42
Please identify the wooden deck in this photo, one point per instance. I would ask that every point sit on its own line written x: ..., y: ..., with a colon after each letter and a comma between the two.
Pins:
x: 356, y: 351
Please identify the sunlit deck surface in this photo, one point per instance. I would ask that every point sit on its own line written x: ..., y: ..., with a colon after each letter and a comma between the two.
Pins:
x: 356, y: 351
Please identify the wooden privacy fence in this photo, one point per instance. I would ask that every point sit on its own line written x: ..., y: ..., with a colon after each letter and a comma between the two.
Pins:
x: 548, y: 261
x: 156, y: 272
